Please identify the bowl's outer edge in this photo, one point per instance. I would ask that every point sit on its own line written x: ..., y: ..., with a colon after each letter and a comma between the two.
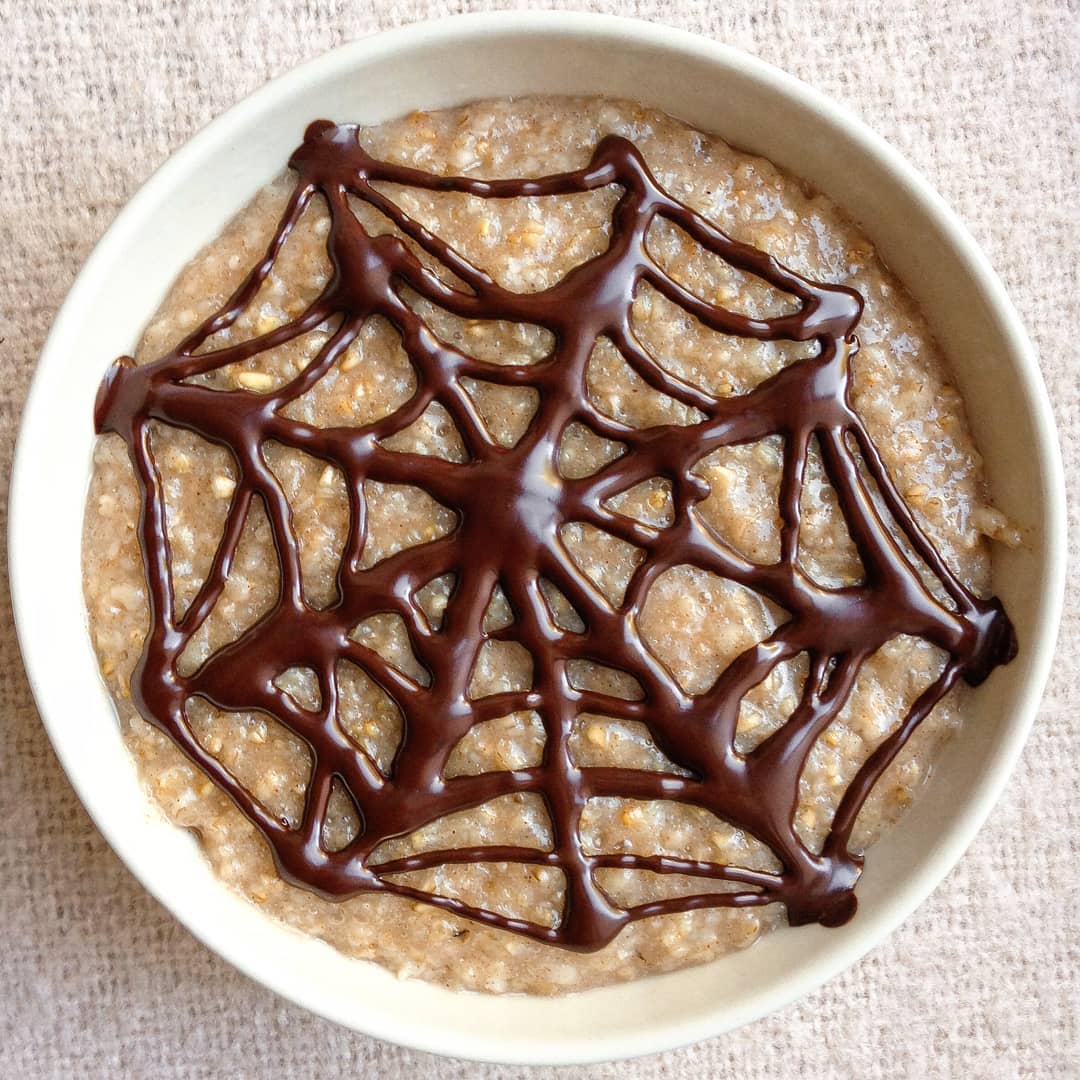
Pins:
x: 496, y: 1046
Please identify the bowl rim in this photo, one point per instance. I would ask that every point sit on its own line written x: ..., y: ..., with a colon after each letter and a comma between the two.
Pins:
x: 675, y: 42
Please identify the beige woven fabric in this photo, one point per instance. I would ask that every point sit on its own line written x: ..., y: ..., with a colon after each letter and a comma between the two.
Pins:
x: 982, y: 96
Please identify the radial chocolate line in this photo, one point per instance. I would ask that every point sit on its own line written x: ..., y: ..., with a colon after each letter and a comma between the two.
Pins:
x: 511, y: 504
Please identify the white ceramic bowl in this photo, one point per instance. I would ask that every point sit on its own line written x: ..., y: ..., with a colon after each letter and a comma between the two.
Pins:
x: 713, y: 87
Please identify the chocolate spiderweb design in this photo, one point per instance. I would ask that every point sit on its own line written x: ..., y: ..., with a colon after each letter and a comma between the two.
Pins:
x: 510, y: 504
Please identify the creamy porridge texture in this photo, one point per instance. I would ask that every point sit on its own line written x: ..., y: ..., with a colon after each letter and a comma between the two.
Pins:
x: 531, y: 575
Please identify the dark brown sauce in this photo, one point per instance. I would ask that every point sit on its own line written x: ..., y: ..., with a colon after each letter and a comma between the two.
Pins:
x: 511, y: 503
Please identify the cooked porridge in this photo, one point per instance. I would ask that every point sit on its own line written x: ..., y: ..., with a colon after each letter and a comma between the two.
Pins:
x: 696, y: 624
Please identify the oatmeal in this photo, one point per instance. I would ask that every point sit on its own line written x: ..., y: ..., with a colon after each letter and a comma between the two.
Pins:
x: 536, y: 565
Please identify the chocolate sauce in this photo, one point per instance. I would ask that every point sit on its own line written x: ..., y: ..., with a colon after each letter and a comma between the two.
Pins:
x: 510, y: 505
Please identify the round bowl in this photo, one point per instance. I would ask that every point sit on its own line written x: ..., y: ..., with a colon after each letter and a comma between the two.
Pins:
x: 753, y: 106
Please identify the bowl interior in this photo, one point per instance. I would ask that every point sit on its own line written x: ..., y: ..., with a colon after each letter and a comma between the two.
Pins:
x: 750, y: 105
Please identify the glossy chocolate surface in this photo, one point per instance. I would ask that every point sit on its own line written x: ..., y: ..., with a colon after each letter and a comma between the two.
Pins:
x: 511, y: 503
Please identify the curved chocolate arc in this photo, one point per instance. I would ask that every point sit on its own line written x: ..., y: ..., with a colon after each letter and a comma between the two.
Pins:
x: 510, y: 505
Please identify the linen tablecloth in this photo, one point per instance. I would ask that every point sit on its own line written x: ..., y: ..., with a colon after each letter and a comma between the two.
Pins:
x: 96, y: 979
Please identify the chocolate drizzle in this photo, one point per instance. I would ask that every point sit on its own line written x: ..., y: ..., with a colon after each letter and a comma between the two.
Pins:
x: 510, y: 505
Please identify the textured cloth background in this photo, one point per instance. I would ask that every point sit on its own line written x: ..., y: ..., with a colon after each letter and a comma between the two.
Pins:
x: 97, y: 980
